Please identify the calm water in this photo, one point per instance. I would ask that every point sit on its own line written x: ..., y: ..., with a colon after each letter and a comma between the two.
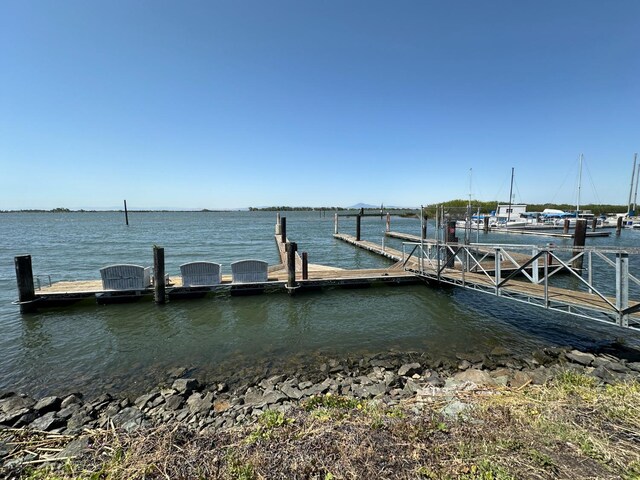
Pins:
x: 130, y: 347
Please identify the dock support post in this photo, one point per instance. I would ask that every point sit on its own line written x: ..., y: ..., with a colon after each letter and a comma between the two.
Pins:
x: 594, y: 224
x: 450, y: 238
x: 283, y: 229
x: 535, y: 267
x: 305, y: 266
x: 126, y: 213
x: 159, y: 291
x: 497, y: 271
x: 278, y: 223
x: 619, y: 226
x: 565, y: 228
x: 388, y: 222
x: 622, y: 287
x: 291, y: 248
x: 486, y: 224
x: 423, y: 234
x: 358, y: 222
x: 335, y: 223
x: 26, y: 289
x: 578, y: 241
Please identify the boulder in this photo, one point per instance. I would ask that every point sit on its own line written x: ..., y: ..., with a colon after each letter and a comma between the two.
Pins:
x: 579, y: 357
x: 47, y: 422
x: 144, y: 400
x: 185, y: 386
x: 409, y: 369
x: 47, y: 404
x: 199, y: 404
x: 129, y: 419
x: 479, y: 377
x: 174, y: 402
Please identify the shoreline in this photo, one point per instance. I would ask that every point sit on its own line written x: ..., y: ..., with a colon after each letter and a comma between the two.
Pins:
x: 387, y: 380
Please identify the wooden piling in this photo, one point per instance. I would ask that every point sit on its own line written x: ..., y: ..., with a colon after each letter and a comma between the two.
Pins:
x: 358, y: 222
x: 278, y: 223
x: 619, y: 226
x: 594, y: 224
x: 486, y: 224
x: 305, y: 266
x: 291, y: 248
x: 424, y: 230
x: 24, y: 277
x: 126, y: 213
x: 335, y: 223
x: 565, y: 228
x: 159, y: 290
x: 578, y: 241
x: 388, y: 222
x: 283, y: 229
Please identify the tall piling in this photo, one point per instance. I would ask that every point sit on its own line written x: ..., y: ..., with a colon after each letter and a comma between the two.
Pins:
x: 26, y: 288
x: 335, y: 223
x: 159, y: 288
x: 126, y: 214
x: 594, y: 224
x: 283, y: 229
x: 291, y: 248
x: 423, y: 232
x: 305, y: 266
x: 485, y: 220
x: 278, y: 223
x: 388, y: 226
x: 578, y: 242
x: 619, y: 226
x: 358, y: 222
x: 565, y: 227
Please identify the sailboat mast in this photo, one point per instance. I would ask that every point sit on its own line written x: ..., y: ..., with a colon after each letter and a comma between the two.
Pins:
x: 633, y: 174
x: 635, y: 196
x: 510, y: 193
x: 579, y: 186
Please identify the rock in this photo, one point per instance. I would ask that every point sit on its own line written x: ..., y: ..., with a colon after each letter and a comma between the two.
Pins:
x: 185, y: 386
x: 77, y: 421
x: 176, y: 372
x: 144, y: 400
x: 258, y: 400
x: 47, y: 422
x: 199, y: 404
x: 221, y: 406
x: 16, y: 402
x: 409, y: 369
x: 47, y: 404
x: 579, y: 357
x: 471, y: 357
x: 67, y: 412
x: 411, y: 386
x: 129, y: 419
x: 222, y: 387
x: 174, y: 402
x: 291, y: 392
x: 479, y: 377
x: 74, y: 448
x: 520, y: 379
x: 543, y: 358
x: 363, y: 380
x: 455, y: 409
x: 635, y: 366
x: 500, y: 352
x: 10, y: 418
x: 375, y: 390
x: 613, y: 366
x: 434, y: 380
x: 464, y: 365
x: 603, y: 374
x: 270, y: 383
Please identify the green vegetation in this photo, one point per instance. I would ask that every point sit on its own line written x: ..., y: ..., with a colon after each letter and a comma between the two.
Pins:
x: 570, y: 428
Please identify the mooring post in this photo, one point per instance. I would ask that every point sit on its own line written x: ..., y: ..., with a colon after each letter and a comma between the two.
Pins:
x: 283, y: 229
x: 388, y: 222
x: 565, y: 228
x: 305, y: 266
x: 335, y: 223
x: 358, y: 221
x: 619, y: 226
x: 450, y: 238
x: 278, y: 223
x: 485, y: 219
x: 159, y: 291
x: 126, y: 213
x: 578, y: 241
x: 24, y: 277
x: 291, y: 248
x: 594, y: 224
x: 424, y: 229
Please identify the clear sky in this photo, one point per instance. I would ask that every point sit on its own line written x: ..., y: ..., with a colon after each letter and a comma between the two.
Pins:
x: 225, y: 104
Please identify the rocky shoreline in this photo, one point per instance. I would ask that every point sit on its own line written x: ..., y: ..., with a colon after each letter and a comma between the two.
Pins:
x: 385, y: 378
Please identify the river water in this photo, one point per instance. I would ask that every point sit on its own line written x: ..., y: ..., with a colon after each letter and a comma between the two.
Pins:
x: 130, y: 348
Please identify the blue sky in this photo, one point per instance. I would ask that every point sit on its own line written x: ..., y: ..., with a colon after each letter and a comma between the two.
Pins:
x: 227, y: 104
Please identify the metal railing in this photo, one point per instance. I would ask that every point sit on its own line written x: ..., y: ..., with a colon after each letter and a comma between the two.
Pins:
x: 589, y: 282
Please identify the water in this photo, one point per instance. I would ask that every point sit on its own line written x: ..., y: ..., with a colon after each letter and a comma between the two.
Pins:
x: 129, y: 348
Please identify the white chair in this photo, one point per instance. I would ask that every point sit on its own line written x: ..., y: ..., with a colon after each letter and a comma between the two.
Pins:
x: 125, y: 277
x: 249, y: 271
x: 200, y: 273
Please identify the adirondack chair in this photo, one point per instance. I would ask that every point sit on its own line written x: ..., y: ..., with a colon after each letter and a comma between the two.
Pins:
x: 200, y: 273
x: 249, y: 271
x: 125, y: 277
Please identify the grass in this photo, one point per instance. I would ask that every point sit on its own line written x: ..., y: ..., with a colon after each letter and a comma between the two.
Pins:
x: 570, y: 428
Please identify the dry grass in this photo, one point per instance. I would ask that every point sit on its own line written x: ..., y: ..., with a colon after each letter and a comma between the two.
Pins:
x: 569, y: 429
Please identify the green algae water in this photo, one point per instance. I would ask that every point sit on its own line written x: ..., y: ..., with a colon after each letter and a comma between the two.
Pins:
x: 130, y: 348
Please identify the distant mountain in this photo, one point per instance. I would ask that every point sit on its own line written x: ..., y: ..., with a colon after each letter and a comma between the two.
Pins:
x: 363, y: 205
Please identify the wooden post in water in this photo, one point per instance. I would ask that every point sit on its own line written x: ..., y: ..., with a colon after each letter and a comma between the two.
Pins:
x: 594, y: 224
x: 578, y: 241
x: 358, y: 221
x: 485, y: 219
x: 305, y: 266
x: 335, y: 223
x: 278, y: 223
x: 619, y: 226
x: 283, y: 229
x: 26, y: 289
x: 388, y: 222
x: 450, y: 238
x: 291, y: 248
x: 565, y: 228
x: 159, y: 291
x: 423, y: 232
x: 126, y: 213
